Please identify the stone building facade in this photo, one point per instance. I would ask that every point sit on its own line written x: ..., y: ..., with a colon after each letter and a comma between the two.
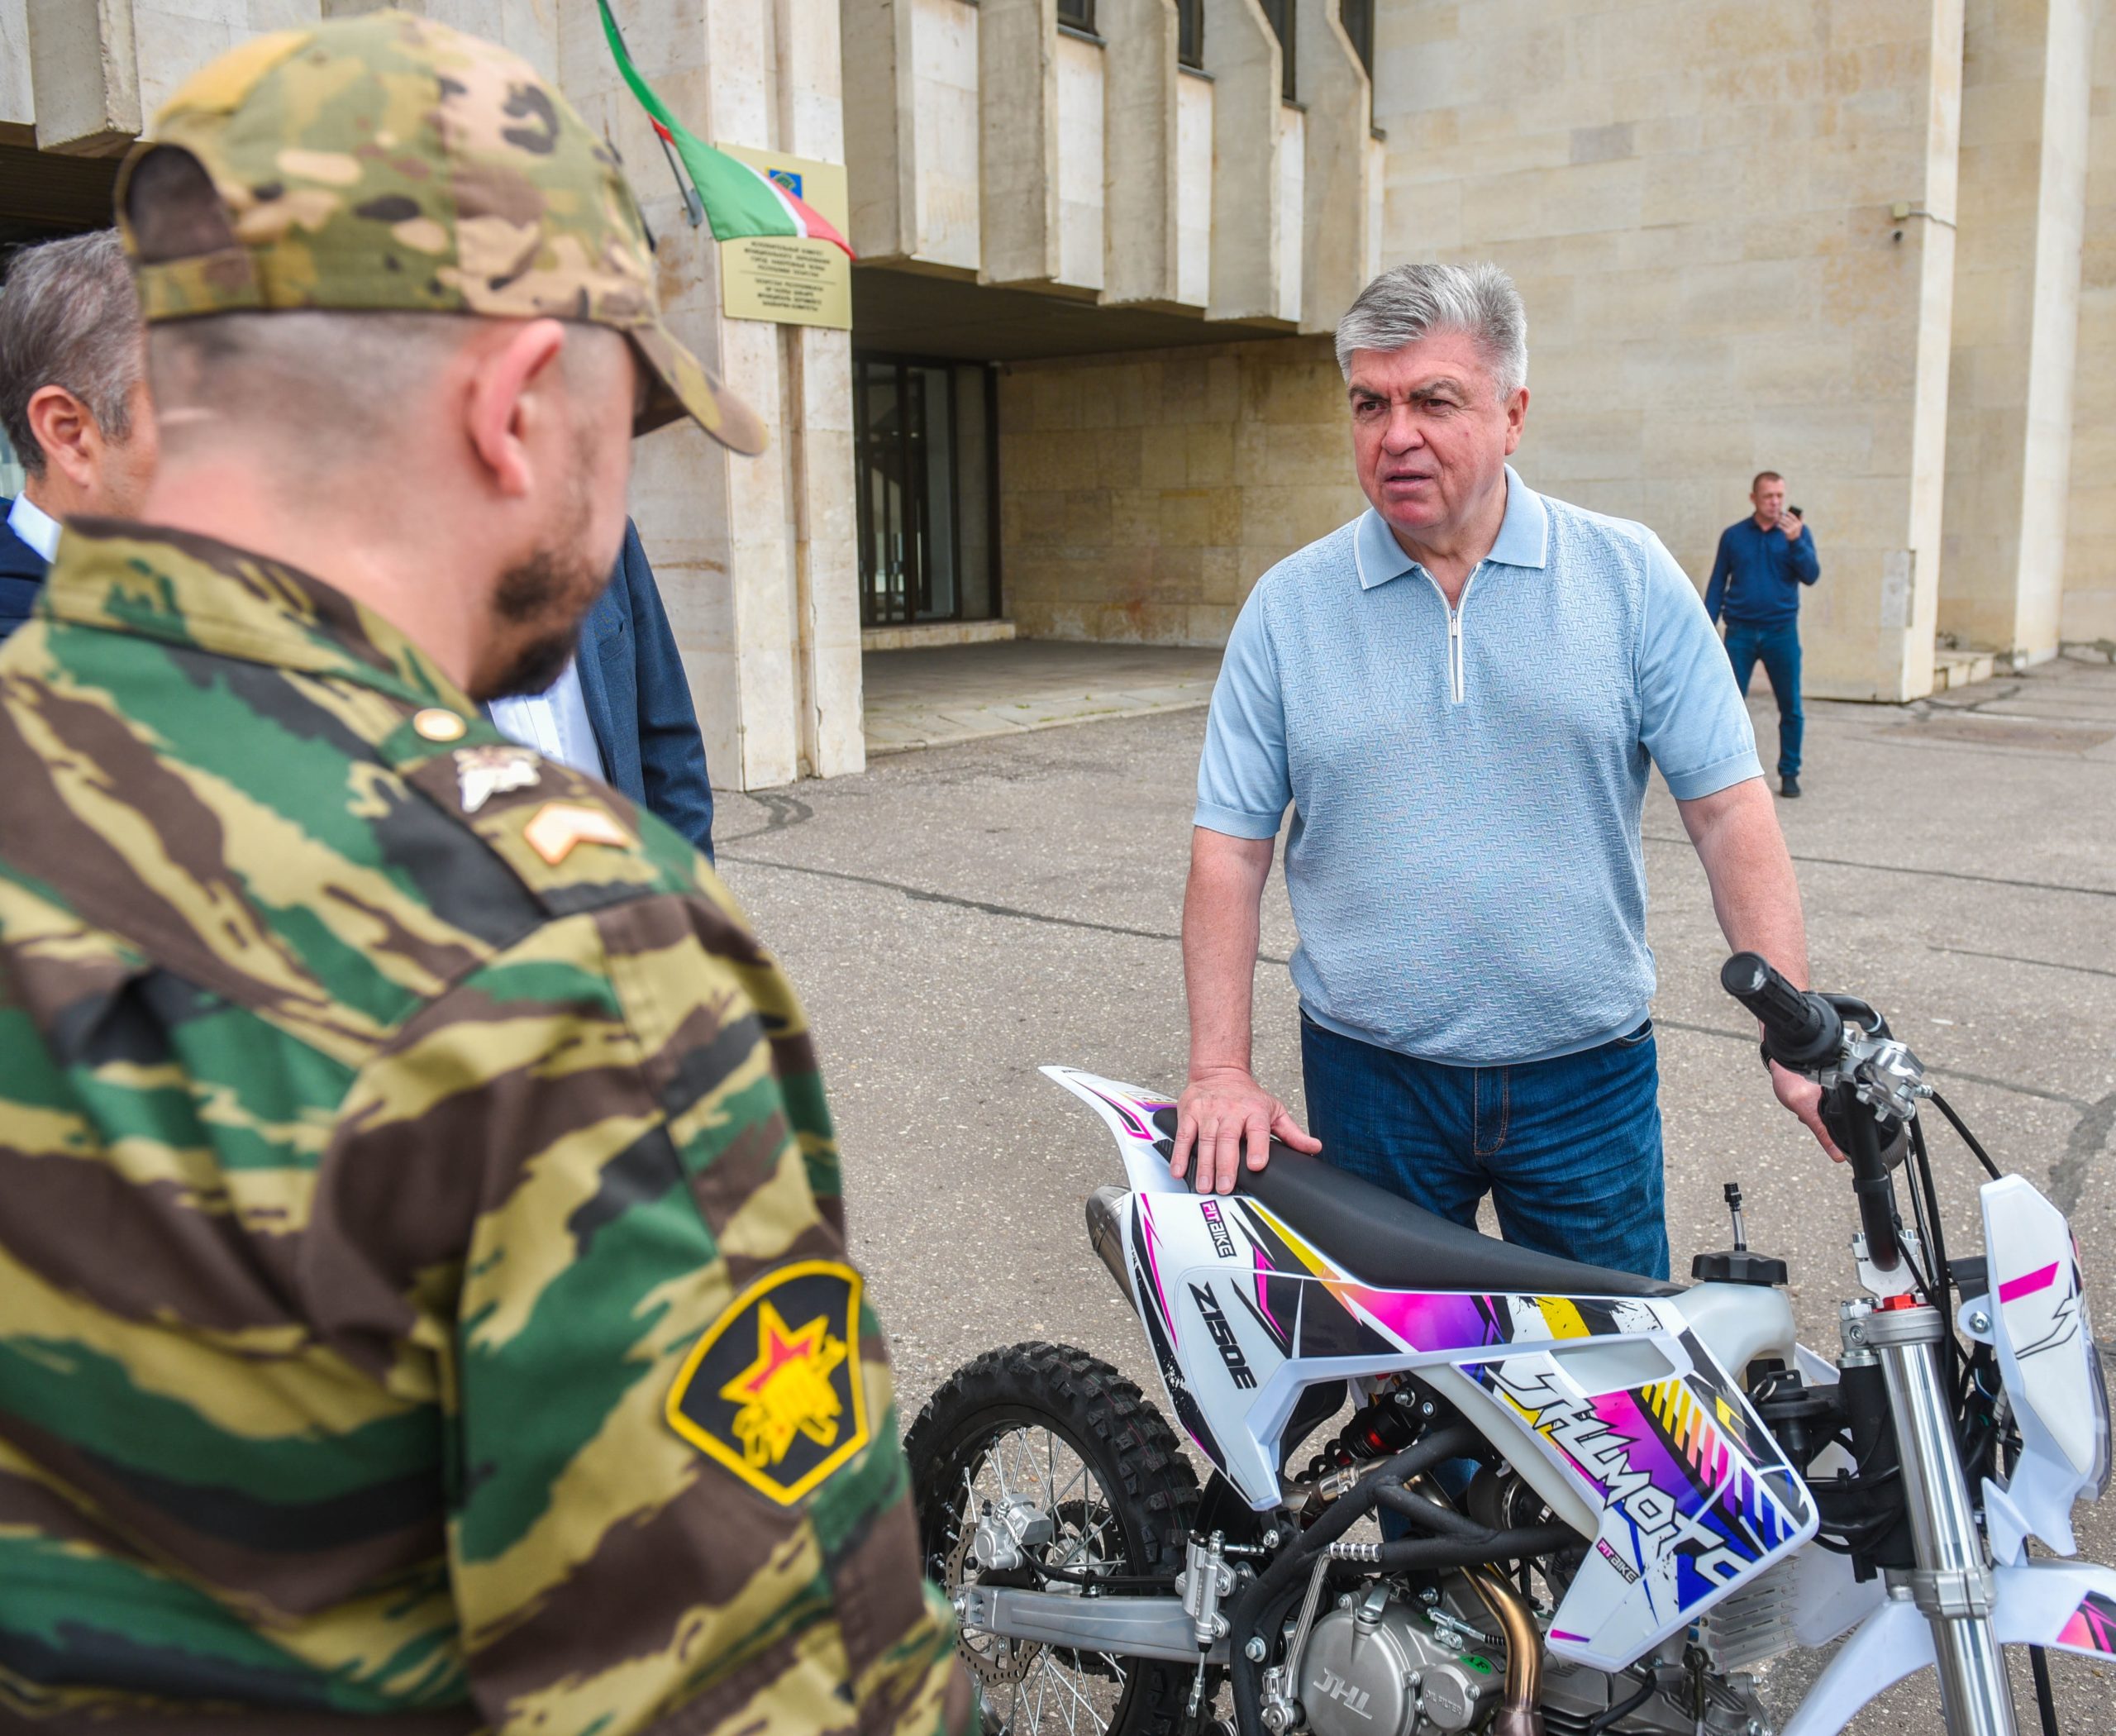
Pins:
x: 1088, y: 392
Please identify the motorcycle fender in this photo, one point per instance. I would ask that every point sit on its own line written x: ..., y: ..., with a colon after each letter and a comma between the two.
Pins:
x: 1891, y: 1643
x: 2067, y: 1606
x: 2045, y: 1344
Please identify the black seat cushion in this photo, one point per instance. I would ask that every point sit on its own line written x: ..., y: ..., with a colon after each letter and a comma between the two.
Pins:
x: 1395, y: 1245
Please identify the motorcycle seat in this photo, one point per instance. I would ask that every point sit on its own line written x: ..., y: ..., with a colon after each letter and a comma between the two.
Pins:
x: 1391, y: 1244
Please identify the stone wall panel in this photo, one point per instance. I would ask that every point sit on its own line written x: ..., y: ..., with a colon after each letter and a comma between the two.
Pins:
x: 1693, y: 202
x: 1235, y: 457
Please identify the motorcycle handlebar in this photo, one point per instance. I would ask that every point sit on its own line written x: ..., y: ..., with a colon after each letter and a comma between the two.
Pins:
x: 1800, y: 1029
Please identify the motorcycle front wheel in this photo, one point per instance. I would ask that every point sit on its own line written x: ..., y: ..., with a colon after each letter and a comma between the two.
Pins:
x: 1057, y: 1431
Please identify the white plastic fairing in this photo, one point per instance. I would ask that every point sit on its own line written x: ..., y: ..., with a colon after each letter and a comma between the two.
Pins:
x: 1740, y: 1322
x: 1128, y: 1112
x: 2068, y: 1606
x: 2045, y: 1346
x: 1895, y: 1641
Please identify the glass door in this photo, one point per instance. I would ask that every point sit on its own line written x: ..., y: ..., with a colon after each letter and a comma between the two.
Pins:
x: 904, y: 431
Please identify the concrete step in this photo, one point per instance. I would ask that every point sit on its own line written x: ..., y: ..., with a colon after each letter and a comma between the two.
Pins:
x: 1952, y: 669
x: 928, y: 634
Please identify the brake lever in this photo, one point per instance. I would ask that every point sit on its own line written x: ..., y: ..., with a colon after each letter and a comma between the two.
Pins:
x: 1855, y: 1011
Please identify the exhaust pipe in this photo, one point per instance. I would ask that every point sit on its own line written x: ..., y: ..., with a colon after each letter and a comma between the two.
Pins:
x: 1106, y: 1234
x: 1521, y: 1713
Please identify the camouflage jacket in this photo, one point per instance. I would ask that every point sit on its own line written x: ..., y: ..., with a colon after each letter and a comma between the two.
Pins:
x: 422, y: 1275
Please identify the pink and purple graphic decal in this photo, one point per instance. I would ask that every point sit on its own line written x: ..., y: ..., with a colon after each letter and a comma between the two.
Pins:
x: 1127, y: 1114
x: 1151, y: 1242
x: 2093, y: 1625
x: 1437, y: 1320
x: 1691, y: 1499
x: 2028, y: 1283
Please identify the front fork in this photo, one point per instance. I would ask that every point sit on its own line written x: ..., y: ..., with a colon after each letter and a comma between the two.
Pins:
x: 1952, y: 1585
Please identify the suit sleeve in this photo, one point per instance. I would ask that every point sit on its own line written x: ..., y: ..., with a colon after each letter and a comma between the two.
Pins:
x: 680, y: 1502
x: 671, y: 751
x: 1715, y: 589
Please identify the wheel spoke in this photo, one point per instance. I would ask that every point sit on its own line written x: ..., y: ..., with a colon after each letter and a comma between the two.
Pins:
x: 1064, y: 1679
x: 1037, y: 1717
x: 1036, y: 1690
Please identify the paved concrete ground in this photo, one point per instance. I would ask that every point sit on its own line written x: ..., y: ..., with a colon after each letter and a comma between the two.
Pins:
x: 965, y: 693
x: 954, y: 918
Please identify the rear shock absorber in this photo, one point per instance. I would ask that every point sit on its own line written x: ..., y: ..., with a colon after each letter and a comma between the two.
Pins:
x: 1399, y: 1411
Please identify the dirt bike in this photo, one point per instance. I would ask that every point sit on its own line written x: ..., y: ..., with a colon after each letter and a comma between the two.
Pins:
x: 1602, y: 1501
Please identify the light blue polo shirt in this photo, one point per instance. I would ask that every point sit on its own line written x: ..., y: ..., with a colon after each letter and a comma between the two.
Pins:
x: 1465, y: 859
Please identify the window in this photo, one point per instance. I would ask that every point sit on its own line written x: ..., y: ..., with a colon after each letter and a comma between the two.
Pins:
x: 1280, y: 13
x: 1357, y: 17
x: 1078, y: 13
x: 1190, y: 33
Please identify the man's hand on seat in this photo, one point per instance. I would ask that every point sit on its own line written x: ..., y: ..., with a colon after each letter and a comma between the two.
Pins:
x: 1221, y: 1111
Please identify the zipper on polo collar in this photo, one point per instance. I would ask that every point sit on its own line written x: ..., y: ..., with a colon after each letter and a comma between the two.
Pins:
x: 1457, y: 693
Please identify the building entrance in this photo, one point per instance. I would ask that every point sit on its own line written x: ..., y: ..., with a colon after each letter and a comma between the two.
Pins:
x: 923, y: 458
x: 907, y: 501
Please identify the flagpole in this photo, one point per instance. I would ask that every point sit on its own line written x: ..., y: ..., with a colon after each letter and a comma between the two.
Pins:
x: 693, y: 206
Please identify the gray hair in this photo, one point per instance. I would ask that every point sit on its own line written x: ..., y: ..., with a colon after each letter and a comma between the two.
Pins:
x: 1406, y: 301
x: 69, y: 317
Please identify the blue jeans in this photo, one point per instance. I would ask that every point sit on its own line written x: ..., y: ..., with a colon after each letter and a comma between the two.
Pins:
x: 1569, y: 1149
x: 1779, y: 649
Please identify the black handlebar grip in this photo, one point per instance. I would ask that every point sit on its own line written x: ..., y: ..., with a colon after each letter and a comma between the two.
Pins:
x: 1799, y: 1029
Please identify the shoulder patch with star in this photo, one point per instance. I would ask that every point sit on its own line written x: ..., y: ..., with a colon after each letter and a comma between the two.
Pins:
x: 772, y: 1390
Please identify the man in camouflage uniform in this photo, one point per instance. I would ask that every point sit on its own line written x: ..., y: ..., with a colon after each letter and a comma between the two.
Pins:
x: 423, y: 1302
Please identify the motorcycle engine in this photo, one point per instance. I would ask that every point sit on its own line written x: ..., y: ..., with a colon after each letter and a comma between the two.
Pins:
x: 1383, y: 1667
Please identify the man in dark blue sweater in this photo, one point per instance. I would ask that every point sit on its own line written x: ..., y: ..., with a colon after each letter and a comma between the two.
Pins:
x: 1756, y: 577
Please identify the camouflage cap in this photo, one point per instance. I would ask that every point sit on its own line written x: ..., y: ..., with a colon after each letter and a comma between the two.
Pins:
x: 388, y: 164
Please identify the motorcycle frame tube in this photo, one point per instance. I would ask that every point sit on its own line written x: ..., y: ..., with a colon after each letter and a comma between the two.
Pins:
x: 1975, y: 1696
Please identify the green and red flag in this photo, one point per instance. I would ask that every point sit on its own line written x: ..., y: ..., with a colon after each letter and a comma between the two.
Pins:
x: 739, y: 200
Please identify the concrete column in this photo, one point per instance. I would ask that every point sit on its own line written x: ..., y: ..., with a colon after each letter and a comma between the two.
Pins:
x: 1017, y: 125
x: 1334, y: 206
x: 2026, y: 75
x: 2089, y: 616
x: 1242, y: 53
x: 818, y: 454
x: 18, y: 103
x: 84, y: 74
x: 880, y: 128
x: 1908, y: 591
x: 1140, y: 238
x: 527, y: 27
x: 719, y: 529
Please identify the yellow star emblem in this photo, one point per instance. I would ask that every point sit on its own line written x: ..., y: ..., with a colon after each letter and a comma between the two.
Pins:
x: 787, y: 1390
x: 782, y: 1407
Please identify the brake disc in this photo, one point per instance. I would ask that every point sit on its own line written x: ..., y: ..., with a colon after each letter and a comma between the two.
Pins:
x: 1007, y: 1660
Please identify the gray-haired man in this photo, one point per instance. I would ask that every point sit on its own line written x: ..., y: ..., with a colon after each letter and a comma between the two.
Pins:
x: 1458, y: 695
x: 73, y: 400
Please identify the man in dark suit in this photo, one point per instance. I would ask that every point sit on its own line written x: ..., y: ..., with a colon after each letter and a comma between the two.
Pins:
x: 621, y: 711
x: 21, y: 571
x: 73, y: 400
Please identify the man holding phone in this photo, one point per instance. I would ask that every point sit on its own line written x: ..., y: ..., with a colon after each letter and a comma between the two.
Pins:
x: 1757, y: 576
